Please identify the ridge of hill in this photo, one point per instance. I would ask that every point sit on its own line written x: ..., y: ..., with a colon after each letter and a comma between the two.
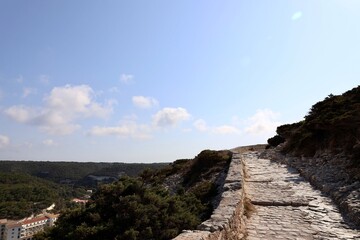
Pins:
x: 331, y: 125
x: 76, y: 173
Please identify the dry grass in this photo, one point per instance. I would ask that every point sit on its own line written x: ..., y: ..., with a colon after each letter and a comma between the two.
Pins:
x: 249, y: 208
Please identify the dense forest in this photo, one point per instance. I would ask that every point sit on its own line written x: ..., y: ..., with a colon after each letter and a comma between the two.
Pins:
x: 22, y: 195
x: 156, y: 205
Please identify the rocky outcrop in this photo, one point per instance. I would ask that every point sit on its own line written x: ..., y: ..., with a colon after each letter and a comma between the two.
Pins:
x: 227, y: 220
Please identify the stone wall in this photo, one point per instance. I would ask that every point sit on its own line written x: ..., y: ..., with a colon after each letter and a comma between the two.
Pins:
x: 227, y: 221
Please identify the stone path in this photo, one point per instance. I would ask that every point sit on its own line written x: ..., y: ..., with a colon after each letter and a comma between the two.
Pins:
x: 287, y: 207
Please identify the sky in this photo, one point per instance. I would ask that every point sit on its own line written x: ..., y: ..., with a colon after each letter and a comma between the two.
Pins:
x: 156, y: 81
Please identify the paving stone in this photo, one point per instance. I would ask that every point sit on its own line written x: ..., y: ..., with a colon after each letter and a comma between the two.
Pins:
x: 288, y: 207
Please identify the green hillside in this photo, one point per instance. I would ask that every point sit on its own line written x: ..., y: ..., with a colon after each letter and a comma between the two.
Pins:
x: 157, y: 205
x: 21, y: 195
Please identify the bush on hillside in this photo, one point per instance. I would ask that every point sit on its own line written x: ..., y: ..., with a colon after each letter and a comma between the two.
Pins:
x: 276, y: 140
x: 332, y: 124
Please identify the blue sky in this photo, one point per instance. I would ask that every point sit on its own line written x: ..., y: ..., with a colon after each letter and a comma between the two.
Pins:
x: 152, y: 81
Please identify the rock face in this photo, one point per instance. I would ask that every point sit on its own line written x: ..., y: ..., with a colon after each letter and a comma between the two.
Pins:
x: 330, y: 174
x: 227, y: 220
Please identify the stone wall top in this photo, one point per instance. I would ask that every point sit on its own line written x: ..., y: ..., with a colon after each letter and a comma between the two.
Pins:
x: 224, y: 217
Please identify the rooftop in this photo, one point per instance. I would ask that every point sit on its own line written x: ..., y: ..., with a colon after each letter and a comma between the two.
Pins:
x: 35, y: 219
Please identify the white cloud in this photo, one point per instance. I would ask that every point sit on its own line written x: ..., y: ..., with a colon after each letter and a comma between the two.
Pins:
x: 4, y: 141
x: 296, y: 16
x: 226, y: 129
x: 170, y: 117
x: 126, y: 78
x: 28, y: 91
x: 63, y: 129
x: 144, y: 102
x: 201, y: 125
x: 49, y: 142
x: 128, y: 129
x: 20, y: 113
x: 62, y: 107
x: 263, y: 122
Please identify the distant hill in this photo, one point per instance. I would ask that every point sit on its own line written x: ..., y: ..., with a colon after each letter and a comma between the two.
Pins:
x: 75, y: 173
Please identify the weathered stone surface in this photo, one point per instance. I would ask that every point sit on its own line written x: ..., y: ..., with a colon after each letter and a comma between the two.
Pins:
x: 330, y: 174
x: 288, y: 207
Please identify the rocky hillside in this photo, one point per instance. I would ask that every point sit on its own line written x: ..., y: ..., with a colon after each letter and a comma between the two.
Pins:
x: 325, y: 148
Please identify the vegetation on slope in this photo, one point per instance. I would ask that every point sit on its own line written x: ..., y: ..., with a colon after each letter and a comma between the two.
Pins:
x: 27, y: 187
x: 22, y: 195
x: 332, y: 124
x: 157, y: 205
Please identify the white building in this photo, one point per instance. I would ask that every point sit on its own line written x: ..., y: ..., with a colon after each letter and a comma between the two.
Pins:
x: 25, y: 229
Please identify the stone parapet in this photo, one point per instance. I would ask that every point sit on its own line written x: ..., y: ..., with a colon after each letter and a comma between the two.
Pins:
x: 227, y: 221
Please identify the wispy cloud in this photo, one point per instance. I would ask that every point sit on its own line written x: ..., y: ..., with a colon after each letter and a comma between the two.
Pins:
x: 126, y: 78
x: 44, y: 79
x: 49, y: 142
x: 4, y: 141
x: 201, y: 125
x: 114, y: 90
x: 296, y: 16
x: 264, y: 121
x: 226, y: 129
x: 28, y: 91
x: 144, y: 102
x: 262, y: 124
x: 127, y: 129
